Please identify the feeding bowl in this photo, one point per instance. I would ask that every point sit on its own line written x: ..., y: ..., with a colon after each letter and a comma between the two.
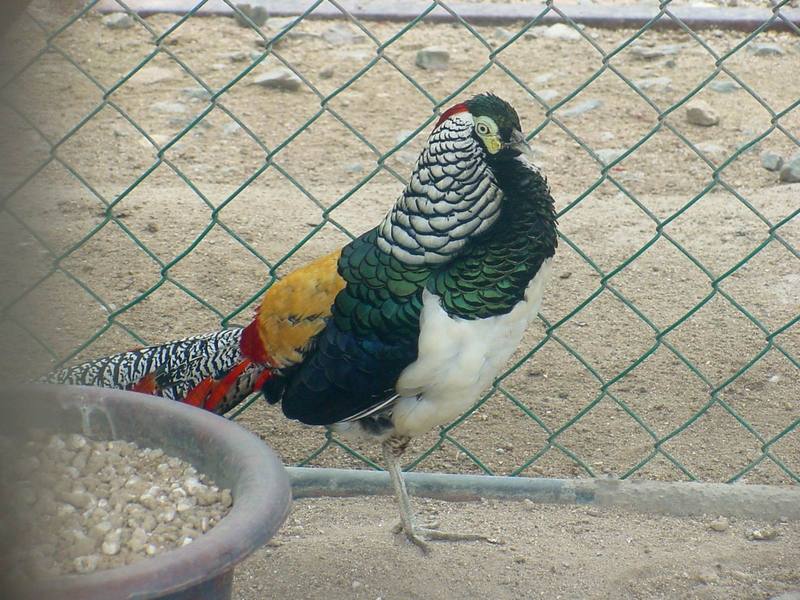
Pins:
x: 216, y: 447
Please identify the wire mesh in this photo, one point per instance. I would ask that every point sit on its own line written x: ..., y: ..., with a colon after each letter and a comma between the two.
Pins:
x: 775, y: 444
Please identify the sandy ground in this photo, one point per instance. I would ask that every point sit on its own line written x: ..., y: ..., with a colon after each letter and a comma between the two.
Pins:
x: 342, y: 549
x: 545, y: 551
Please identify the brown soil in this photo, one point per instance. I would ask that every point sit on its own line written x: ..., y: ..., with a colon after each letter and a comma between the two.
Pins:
x: 271, y: 215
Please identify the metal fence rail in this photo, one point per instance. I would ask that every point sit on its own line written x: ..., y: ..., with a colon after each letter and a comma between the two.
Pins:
x: 772, y: 337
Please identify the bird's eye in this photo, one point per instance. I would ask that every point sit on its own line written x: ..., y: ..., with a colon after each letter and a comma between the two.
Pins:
x: 482, y: 129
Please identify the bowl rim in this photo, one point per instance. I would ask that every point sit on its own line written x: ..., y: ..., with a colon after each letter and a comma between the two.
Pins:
x: 262, y: 499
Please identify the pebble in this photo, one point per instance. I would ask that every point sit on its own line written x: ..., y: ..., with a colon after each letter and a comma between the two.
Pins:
x: 167, y: 107
x: 761, y: 535
x: 654, y: 84
x: 343, y: 34
x: 771, y: 161
x: 231, y: 128
x: 548, y: 94
x: 432, y: 58
x: 581, y: 108
x: 706, y: 575
x: 790, y: 172
x: 119, y: 20
x: 257, y: 14
x: 608, y: 155
x: 719, y: 524
x: 651, y: 52
x: 326, y: 72
x: 699, y: 112
x: 761, y: 49
x: 354, y: 168
x: 712, y: 150
x: 724, y: 87
x: 279, y: 79
x: 560, y: 31
x: 86, y: 564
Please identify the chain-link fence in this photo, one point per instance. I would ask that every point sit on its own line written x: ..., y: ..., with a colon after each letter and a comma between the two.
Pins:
x: 176, y: 164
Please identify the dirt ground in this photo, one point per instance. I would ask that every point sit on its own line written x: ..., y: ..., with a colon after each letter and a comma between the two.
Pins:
x: 545, y: 550
x: 342, y: 549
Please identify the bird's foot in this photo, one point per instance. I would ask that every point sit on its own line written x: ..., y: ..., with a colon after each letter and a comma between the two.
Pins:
x: 420, y: 536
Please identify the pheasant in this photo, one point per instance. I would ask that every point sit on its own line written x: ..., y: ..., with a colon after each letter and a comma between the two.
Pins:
x: 405, y: 327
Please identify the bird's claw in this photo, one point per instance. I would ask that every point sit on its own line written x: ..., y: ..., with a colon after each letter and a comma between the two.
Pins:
x: 420, y: 536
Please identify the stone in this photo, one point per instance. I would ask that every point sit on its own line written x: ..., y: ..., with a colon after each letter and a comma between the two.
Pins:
x: 354, y: 168
x: 771, y: 161
x: 433, y: 58
x: 581, y: 108
x: 196, y: 93
x: 699, y: 112
x: 560, y: 31
x: 279, y: 79
x: 326, y: 72
x: 652, y: 52
x: 724, y: 87
x: 231, y: 128
x: 765, y: 49
x: 763, y: 534
x: 654, y: 84
x: 711, y: 150
x: 790, y: 172
x: 343, y: 34
x: 167, y: 107
x: 257, y: 14
x: 548, y: 94
x: 119, y: 20
x: 608, y: 155
x: 719, y: 524
x: 502, y: 35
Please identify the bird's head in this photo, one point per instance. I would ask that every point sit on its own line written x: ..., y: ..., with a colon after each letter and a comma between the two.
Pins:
x: 496, y: 126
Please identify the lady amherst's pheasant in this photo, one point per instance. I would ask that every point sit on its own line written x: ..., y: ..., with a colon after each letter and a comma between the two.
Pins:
x: 402, y: 329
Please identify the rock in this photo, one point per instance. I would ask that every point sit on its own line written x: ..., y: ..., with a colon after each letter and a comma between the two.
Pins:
x: 86, y: 564
x: 119, y: 20
x: 196, y: 93
x: 543, y: 78
x: 279, y: 79
x: 580, y: 108
x: 719, y: 524
x: 257, y: 14
x: 654, y: 84
x: 433, y: 58
x: 765, y: 49
x: 652, y: 52
x: 239, y: 56
x: 608, y: 155
x: 705, y: 575
x: 343, y: 34
x: 765, y: 533
x: 699, y: 112
x: 560, y: 31
x: 354, y: 168
x: 712, y: 150
x: 724, y: 87
x: 502, y: 35
x: 790, y: 172
x: 326, y: 73
x: 402, y: 136
x: 548, y: 94
x: 771, y: 161
x: 173, y: 108
x: 231, y: 128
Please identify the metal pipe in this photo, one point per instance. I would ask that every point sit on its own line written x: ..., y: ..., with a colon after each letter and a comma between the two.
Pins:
x: 669, y: 498
x: 634, y: 16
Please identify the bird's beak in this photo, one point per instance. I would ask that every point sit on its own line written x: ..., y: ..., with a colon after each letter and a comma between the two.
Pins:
x: 519, y: 144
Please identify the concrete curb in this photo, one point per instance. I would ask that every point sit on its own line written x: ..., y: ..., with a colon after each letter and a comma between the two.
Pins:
x: 669, y: 498
x: 742, y: 19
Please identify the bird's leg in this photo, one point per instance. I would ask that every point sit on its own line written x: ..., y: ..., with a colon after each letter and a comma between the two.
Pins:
x: 415, y: 534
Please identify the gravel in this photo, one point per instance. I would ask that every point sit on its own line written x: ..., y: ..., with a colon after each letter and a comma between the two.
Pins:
x: 90, y: 505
